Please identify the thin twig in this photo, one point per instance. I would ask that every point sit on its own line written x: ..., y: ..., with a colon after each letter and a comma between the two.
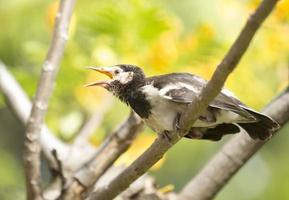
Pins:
x: 114, y: 146
x: 40, y: 103
x: 217, y: 172
x: 161, y: 145
x: 20, y: 105
x: 93, y: 122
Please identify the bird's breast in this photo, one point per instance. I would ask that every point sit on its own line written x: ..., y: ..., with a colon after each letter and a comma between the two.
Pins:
x: 162, y: 118
x: 163, y: 112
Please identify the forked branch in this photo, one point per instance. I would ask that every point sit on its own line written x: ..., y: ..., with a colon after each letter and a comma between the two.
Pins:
x: 40, y: 103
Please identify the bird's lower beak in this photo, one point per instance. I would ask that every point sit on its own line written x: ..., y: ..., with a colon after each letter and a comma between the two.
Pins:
x: 104, y: 84
x: 103, y: 70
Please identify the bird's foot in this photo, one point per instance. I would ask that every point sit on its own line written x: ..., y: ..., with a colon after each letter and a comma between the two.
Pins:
x: 166, y: 135
x: 177, y: 122
x: 170, y: 136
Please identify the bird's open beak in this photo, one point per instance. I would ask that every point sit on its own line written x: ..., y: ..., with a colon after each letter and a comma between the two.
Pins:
x: 103, y: 70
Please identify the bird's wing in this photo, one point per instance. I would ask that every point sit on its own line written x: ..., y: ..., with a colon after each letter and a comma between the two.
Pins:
x: 184, y: 87
x: 163, y: 81
x: 179, y: 95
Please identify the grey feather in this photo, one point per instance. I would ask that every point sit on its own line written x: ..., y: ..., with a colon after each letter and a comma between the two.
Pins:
x: 185, y: 95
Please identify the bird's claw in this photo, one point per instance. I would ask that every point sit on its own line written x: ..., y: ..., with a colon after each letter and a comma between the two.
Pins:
x: 166, y: 135
x: 177, y: 122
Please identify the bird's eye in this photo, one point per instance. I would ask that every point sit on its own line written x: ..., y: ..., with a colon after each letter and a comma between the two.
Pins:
x: 116, y: 72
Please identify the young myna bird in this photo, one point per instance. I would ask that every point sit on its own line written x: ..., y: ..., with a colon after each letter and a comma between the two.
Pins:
x: 160, y: 100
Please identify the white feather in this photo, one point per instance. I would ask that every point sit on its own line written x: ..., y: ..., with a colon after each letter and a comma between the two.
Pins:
x: 124, y: 77
x: 163, y: 111
x: 167, y: 88
x: 228, y: 93
x: 190, y: 87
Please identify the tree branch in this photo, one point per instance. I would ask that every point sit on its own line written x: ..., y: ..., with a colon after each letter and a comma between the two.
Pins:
x: 214, y: 86
x: 213, y: 177
x: 40, y: 103
x: 20, y: 105
x: 115, y: 145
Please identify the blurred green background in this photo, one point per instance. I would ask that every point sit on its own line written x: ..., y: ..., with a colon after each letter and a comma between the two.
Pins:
x: 161, y: 36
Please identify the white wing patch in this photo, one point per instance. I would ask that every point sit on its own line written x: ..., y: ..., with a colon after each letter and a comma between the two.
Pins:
x: 167, y: 88
x: 177, y: 86
x: 150, y: 91
x: 228, y: 93
x: 190, y: 87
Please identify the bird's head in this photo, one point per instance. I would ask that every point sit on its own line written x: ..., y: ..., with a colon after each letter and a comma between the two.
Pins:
x: 121, y: 76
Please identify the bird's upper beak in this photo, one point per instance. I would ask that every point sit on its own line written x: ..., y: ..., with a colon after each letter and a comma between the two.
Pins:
x: 104, y: 70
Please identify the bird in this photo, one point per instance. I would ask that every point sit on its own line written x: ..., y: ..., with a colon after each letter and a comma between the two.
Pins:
x: 160, y: 100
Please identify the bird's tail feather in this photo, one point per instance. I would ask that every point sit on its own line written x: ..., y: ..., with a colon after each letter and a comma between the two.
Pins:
x: 263, y: 128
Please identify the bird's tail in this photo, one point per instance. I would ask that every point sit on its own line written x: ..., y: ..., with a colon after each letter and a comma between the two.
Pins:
x: 263, y: 128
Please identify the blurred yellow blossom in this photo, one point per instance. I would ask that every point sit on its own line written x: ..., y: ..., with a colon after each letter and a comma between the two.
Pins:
x: 164, y: 51
x: 282, y: 10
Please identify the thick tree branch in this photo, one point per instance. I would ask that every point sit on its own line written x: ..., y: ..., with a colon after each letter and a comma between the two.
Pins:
x: 213, y: 177
x: 20, y: 105
x: 40, y: 103
x: 114, y: 146
x: 162, y: 144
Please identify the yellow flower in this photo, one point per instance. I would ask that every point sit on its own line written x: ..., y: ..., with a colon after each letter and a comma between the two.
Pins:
x: 207, y: 31
x: 282, y: 10
x: 190, y: 42
x: 164, y: 51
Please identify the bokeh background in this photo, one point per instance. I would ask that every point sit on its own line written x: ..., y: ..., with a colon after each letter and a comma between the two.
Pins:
x: 161, y: 36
